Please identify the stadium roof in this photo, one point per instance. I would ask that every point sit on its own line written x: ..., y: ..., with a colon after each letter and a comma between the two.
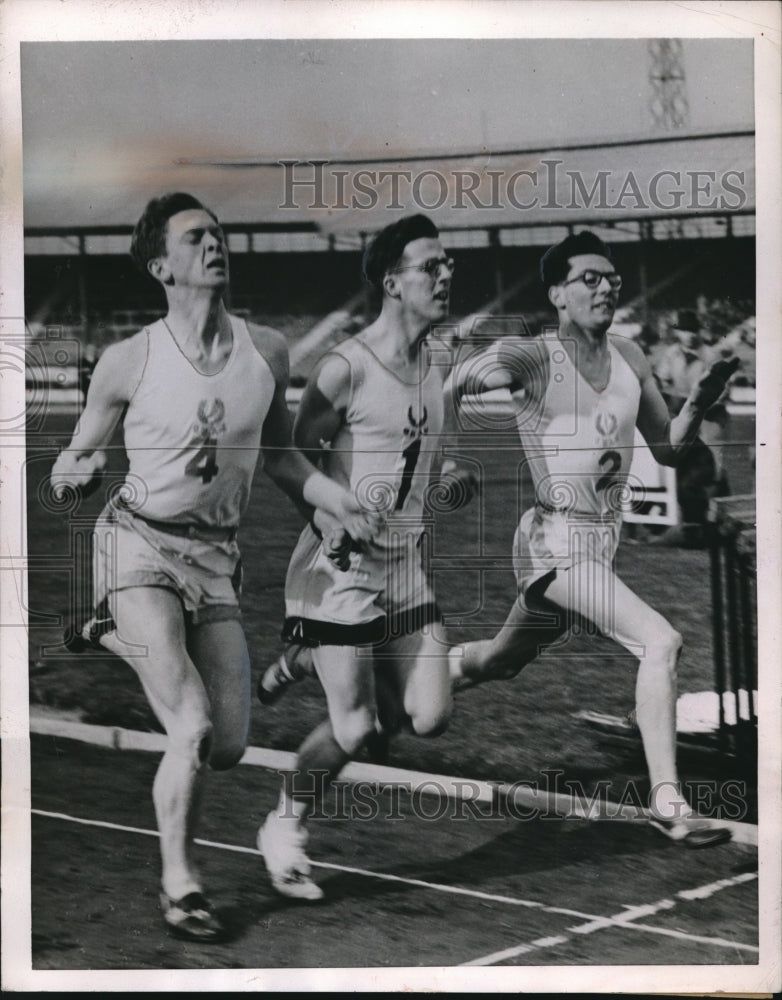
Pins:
x: 676, y: 177
x: 454, y: 123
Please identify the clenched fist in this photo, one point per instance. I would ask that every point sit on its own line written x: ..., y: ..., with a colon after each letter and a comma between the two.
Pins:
x: 712, y: 384
x: 80, y: 473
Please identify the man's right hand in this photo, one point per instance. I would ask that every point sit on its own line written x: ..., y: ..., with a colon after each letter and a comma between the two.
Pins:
x: 361, y: 524
x: 81, y: 473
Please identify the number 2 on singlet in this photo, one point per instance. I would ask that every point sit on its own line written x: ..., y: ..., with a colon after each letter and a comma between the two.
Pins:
x: 611, y: 463
x: 204, y: 463
x: 410, y: 455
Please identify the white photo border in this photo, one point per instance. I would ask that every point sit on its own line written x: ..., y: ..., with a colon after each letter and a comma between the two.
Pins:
x: 72, y: 20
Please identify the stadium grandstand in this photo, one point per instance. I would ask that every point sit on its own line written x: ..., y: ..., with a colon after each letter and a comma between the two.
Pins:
x: 296, y: 262
x: 296, y: 265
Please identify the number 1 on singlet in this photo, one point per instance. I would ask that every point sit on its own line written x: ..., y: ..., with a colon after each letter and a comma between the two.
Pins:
x: 410, y: 455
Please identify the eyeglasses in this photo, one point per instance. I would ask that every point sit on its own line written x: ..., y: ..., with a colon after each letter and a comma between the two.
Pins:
x: 429, y: 267
x: 592, y: 279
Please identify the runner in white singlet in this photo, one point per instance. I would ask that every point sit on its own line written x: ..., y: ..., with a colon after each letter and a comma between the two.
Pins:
x: 579, y: 393
x: 372, y: 411
x: 383, y: 454
x: 199, y: 394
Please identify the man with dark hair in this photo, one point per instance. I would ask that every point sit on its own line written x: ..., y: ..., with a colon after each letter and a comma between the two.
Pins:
x: 578, y: 394
x: 386, y: 249
x: 381, y: 255
x: 199, y: 392
x: 371, y: 412
x: 149, y: 235
x: 555, y: 262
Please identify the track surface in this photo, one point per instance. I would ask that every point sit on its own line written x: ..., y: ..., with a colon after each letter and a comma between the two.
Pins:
x: 479, y: 891
x: 498, y: 891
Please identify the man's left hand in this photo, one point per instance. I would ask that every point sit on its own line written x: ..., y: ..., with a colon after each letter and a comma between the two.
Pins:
x: 457, y: 486
x: 712, y: 385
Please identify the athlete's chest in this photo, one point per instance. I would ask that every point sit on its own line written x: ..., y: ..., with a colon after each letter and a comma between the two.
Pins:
x: 385, y: 406
x: 228, y: 407
x: 595, y: 404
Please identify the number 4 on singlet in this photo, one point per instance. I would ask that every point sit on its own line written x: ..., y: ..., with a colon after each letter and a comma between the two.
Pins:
x: 204, y: 463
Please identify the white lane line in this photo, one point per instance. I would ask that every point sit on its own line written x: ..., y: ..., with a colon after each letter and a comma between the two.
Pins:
x: 523, y: 796
x: 520, y: 949
x: 593, y: 923
x: 625, y: 919
x: 695, y: 938
x: 382, y: 876
x: 704, y: 891
x: 456, y: 890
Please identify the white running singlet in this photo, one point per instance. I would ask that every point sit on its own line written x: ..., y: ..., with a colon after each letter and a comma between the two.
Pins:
x: 193, y: 440
x: 579, y: 445
x: 579, y: 441
x: 384, y: 453
x: 384, y: 450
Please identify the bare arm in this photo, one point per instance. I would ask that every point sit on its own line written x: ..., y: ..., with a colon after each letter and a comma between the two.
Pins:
x: 499, y: 365
x: 512, y: 363
x: 116, y: 375
x: 294, y: 472
x: 669, y: 439
x: 458, y: 481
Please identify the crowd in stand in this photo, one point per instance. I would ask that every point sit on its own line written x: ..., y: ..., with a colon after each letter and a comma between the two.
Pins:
x: 681, y: 346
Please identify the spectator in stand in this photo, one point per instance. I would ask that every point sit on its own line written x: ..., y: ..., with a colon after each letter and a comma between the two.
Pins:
x: 650, y: 342
x: 703, y: 312
x: 702, y: 475
x: 684, y: 361
x: 741, y: 342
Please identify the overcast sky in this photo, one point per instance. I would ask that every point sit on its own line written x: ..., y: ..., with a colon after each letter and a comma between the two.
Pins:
x: 104, y: 120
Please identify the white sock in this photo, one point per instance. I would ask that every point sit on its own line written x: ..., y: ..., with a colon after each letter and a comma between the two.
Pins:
x: 668, y: 803
x: 455, y: 662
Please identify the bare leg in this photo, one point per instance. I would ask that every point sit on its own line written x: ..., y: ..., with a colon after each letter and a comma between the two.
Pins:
x: 525, y: 634
x: 219, y: 652
x: 597, y: 594
x: 151, y: 618
x: 347, y: 678
x: 346, y: 674
x: 419, y: 668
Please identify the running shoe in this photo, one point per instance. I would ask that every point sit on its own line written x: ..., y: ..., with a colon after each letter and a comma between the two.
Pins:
x: 282, y: 842
x: 192, y: 917
x: 82, y: 634
x: 292, y: 666
x: 691, y: 832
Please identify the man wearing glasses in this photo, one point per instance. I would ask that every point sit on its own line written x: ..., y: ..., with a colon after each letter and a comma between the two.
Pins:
x: 371, y: 415
x: 578, y: 394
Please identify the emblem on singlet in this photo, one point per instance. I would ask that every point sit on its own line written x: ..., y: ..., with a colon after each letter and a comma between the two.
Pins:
x: 206, y: 431
x: 413, y: 432
x: 606, y: 424
x: 210, y: 417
